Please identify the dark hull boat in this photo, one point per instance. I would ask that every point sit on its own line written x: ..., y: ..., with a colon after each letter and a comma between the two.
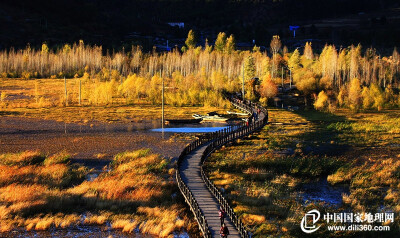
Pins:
x: 182, y: 121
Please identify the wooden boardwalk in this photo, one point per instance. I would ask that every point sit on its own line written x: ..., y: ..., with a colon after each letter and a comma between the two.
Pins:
x: 202, y: 196
x: 190, y: 172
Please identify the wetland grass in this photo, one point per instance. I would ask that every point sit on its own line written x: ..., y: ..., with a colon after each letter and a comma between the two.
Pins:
x: 261, y: 175
x: 137, y: 192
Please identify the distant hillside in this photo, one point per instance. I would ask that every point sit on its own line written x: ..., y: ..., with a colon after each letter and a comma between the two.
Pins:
x: 111, y: 23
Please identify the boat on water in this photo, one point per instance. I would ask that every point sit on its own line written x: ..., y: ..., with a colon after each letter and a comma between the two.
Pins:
x: 197, y: 116
x: 237, y: 113
x: 212, y: 116
x: 183, y: 121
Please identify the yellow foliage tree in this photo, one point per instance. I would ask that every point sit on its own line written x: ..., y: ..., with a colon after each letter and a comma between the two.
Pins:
x: 322, y: 102
x: 190, y: 40
x: 230, y: 45
x: 268, y: 89
x: 220, y: 42
x: 377, y: 95
x: 354, y: 94
x: 103, y: 93
x: 341, y: 97
x: 366, y: 98
x: 132, y: 88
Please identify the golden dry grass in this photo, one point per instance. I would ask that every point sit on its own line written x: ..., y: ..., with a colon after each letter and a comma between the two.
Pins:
x: 23, y: 158
x: 135, y: 194
x: 23, y: 94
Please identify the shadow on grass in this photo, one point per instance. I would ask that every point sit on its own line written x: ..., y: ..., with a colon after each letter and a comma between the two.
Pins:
x: 324, y: 139
x: 8, y: 113
x: 78, y: 204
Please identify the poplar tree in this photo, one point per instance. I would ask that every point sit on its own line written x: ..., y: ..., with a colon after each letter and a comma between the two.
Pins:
x: 354, y: 56
x: 45, y: 48
x: 207, y: 47
x: 395, y: 62
x: 355, y: 94
x: 230, y: 44
x: 256, y: 49
x: 191, y: 40
x: 249, y: 74
x: 308, y: 52
x: 220, y: 42
x: 275, y: 47
x: 249, y: 68
x: 294, y: 60
x: 275, y: 44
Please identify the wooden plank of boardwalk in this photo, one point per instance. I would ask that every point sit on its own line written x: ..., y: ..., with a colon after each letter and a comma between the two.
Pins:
x: 190, y: 172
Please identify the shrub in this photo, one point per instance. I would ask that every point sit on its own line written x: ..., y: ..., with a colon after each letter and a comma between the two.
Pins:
x: 322, y: 102
x: 58, y: 158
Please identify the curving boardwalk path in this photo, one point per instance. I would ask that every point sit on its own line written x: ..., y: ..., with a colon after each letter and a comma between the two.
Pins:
x: 202, y: 196
x: 190, y: 172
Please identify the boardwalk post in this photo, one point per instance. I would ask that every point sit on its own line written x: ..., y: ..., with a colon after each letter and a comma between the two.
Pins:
x: 66, y: 92
x: 80, y: 91
x: 162, y: 100
x: 243, y: 82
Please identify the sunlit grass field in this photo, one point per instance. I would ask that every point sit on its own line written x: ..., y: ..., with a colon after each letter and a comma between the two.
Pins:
x: 261, y: 175
x: 136, y: 191
x: 45, y: 99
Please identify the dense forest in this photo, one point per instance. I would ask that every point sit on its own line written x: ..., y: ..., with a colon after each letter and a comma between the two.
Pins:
x: 112, y: 23
x: 346, y: 77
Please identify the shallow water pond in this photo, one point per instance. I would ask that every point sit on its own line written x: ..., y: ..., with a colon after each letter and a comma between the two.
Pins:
x: 322, y: 191
x: 82, y: 232
x: 203, y: 127
x: 189, y: 129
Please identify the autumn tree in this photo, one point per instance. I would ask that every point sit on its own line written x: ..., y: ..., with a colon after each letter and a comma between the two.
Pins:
x: 268, y: 89
x: 249, y: 68
x: 354, y: 94
x: 308, y: 52
x: 230, y: 45
x: 395, y: 62
x: 220, y: 42
x: 367, y: 100
x: 45, y: 48
x: 294, y: 60
x: 190, y: 41
x: 249, y: 74
x: 308, y: 85
x: 354, y: 61
x: 341, y: 97
x: 322, y: 102
x: 275, y: 46
x: 342, y: 67
x: 207, y: 48
x: 256, y: 49
x: 66, y: 49
x: 377, y: 95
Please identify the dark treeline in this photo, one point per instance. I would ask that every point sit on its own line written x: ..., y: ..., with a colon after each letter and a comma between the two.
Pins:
x: 108, y: 23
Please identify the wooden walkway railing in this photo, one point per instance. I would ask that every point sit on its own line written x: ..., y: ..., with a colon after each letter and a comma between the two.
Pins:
x: 217, y: 139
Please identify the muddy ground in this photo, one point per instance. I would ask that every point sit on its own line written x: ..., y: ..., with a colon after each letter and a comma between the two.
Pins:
x: 94, y: 144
